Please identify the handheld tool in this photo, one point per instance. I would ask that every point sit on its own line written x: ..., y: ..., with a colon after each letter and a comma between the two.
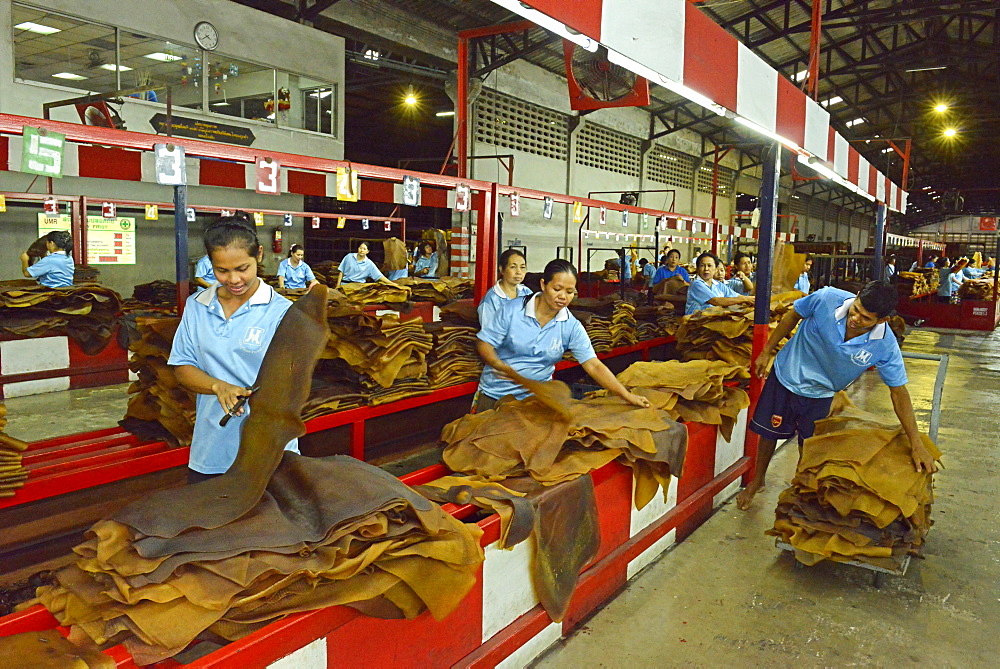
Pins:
x: 239, y: 405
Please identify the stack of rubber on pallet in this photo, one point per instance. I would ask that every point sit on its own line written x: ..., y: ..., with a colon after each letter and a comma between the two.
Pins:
x: 856, y: 495
x: 922, y: 281
x: 86, y: 313
x: 726, y: 333
x: 976, y: 289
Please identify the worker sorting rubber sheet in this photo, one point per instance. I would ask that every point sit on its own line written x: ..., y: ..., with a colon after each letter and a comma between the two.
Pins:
x: 839, y: 336
x: 529, y: 335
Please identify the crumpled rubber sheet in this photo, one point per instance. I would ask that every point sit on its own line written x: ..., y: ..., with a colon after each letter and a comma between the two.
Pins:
x: 856, y: 494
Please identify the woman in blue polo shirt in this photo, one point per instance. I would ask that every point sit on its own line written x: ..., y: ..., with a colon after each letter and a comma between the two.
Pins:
x: 221, y: 340
x: 802, y: 283
x: 513, y: 267
x: 530, y: 335
x: 56, y: 269
x: 425, y: 265
x: 293, y: 272
x: 705, y: 291
x: 204, y: 275
x: 359, y: 268
x: 743, y: 276
x: 670, y: 267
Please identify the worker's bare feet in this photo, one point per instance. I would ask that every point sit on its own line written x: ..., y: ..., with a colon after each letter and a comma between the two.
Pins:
x: 746, y: 496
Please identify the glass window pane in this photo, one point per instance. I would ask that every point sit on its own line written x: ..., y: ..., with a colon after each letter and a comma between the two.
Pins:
x: 153, y: 61
x: 56, y: 49
x: 312, y: 103
x: 239, y: 88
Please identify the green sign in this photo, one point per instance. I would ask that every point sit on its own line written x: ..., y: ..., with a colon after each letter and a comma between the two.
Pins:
x: 42, y: 152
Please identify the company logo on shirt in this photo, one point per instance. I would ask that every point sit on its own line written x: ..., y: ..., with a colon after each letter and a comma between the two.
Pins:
x: 555, y: 345
x: 253, y: 340
x: 862, y: 358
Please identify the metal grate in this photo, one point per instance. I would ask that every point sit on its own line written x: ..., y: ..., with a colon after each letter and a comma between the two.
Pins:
x: 505, y: 121
x: 609, y: 150
x: 727, y: 180
x: 670, y: 166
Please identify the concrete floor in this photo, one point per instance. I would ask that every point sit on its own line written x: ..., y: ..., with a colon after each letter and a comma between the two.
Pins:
x: 726, y: 597
x: 48, y: 415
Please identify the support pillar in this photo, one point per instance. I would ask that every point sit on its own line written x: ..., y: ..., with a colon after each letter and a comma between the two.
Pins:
x: 181, y: 246
x: 880, y: 214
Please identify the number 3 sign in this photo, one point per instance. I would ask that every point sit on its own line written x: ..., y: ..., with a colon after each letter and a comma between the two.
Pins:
x: 268, y: 175
x: 170, y: 166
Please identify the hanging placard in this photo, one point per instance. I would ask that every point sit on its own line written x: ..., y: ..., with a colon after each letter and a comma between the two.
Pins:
x: 50, y: 206
x: 463, y: 197
x: 191, y: 215
x: 645, y: 221
x: 258, y: 219
x: 547, y: 208
x: 515, y: 204
x: 625, y: 218
x: 364, y: 223
x: 152, y: 212
x: 348, y: 185
x: 315, y: 222
x: 604, y: 215
x: 108, y: 210
x: 42, y: 152
x: 411, y: 191
x: 225, y: 213
x: 663, y: 223
x: 578, y: 212
x: 171, y: 170
x: 3, y: 204
x: 287, y: 219
x: 268, y: 176
x: 388, y: 226
x: 341, y: 222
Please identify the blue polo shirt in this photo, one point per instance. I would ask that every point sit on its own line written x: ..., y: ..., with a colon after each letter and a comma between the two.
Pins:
x: 231, y: 350
x: 531, y: 350
x: 203, y: 270
x: 54, y: 270
x: 802, y: 283
x: 648, y: 271
x: 428, y: 263
x: 817, y: 362
x: 295, y: 277
x: 699, y: 293
x: 494, y: 300
x: 358, y: 272
x: 737, y: 284
x: 665, y: 273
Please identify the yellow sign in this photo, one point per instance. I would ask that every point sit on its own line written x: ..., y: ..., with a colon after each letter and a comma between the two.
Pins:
x: 110, y: 241
x: 258, y: 218
x: 578, y: 212
x: 341, y: 222
x: 152, y: 212
x: 348, y: 186
x: 3, y: 204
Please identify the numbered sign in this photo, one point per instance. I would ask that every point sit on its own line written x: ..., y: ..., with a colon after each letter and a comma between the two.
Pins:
x: 191, y: 214
x: 268, y: 176
x: 108, y: 210
x: 171, y: 169
x: 547, y: 208
x: 578, y: 212
x: 258, y: 219
x: 341, y: 222
x: 625, y: 219
x: 315, y: 222
x: 348, y: 186
x: 463, y: 197
x: 225, y: 213
x: 663, y: 222
x: 411, y: 191
x: 645, y: 221
x: 604, y: 215
x: 388, y: 226
x: 288, y: 220
x: 364, y: 223
x: 42, y: 152
x: 515, y: 204
x: 152, y: 212
x: 51, y: 206
x: 3, y: 204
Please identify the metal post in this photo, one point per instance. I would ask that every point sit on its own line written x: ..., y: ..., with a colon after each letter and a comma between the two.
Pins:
x: 942, y: 372
x: 880, y: 215
x: 462, y: 108
x: 762, y: 302
x: 181, y: 246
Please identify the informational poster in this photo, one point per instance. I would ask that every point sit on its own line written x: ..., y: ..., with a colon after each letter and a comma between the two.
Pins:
x: 110, y: 241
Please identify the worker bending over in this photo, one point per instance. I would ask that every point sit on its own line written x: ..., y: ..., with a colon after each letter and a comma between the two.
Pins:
x: 840, y: 335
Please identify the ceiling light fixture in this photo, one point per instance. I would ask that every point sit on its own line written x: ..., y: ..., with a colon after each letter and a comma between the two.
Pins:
x: 927, y: 69
x: 68, y: 75
x: 857, y: 121
x: 829, y: 102
x: 941, y: 108
x: 38, y: 28
x: 163, y: 57
x: 445, y: 113
x: 950, y: 132
x: 112, y: 68
x: 410, y: 99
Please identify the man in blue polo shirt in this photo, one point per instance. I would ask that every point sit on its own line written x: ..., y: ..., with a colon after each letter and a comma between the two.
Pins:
x: 840, y: 335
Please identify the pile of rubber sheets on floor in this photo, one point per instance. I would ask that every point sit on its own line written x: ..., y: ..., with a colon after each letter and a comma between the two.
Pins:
x: 856, y: 495
x: 278, y: 533
x: 916, y: 283
x: 976, y: 289
x: 85, y: 313
x: 12, y: 474
x: 158, y: 406
x: 726, y: 333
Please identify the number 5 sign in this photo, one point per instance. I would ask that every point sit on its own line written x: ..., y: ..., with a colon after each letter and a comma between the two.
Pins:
x: 268, y: 176
x: 42, y: 152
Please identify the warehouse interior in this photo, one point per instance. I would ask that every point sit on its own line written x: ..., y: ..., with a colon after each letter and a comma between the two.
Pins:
x: 839, y: 142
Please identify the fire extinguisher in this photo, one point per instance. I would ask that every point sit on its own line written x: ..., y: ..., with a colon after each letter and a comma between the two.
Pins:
x: 276, y: 241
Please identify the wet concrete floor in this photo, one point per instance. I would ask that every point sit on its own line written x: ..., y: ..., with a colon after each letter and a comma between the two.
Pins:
x: 726, y: 597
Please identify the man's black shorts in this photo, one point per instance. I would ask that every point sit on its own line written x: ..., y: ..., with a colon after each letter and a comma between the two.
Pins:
x: 781, y: 414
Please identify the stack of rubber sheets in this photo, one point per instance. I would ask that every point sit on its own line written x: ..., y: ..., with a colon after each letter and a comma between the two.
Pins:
x: 327, y: 531
x: 439, y: 291
x: 373, y: 293
x: 610, y: 323
x: 726, y: 333
x: 85, y: 313
x: 922, y: 281
x: 381, y: 348
x: 647, y: 323
x: 12, y: 474
x: 856, y: 495
x: 157, y: 397
x: 155, y: 294
x: 453, y: 358
x: 976, y: 289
